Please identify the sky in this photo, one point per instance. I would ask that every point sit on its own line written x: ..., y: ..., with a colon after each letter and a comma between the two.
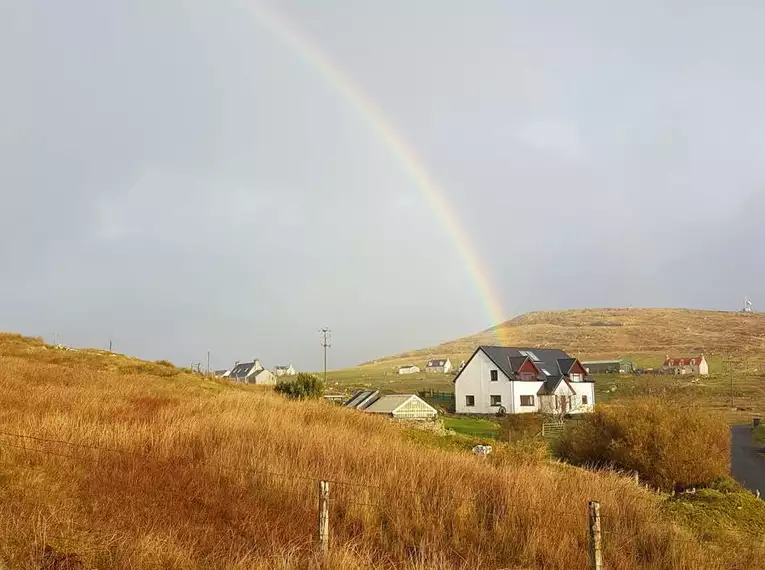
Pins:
x: 181, y: 176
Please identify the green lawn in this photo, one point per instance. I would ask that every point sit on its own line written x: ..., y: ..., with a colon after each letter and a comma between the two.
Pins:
x: 475, y: 427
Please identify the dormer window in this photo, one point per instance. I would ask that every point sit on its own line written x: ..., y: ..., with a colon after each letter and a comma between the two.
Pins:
x: 576, y: 377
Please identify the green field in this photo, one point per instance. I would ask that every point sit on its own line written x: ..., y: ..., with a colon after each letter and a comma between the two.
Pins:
x: 387, y: 379
x: 475, y: 427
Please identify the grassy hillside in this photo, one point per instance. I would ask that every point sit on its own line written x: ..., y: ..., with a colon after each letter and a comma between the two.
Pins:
x: 123, y: 464
x: 645, y: 335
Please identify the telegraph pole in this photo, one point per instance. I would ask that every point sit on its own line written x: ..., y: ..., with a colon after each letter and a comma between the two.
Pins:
x: 208, y: 362
x: 326, y: 342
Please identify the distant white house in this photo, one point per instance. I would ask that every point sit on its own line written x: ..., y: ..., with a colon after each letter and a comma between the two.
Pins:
x: 523, y: 380
x: 396, y: 406
x: 408, y: 369
x: 222, y: 373
x: 252, y: 373
x: 438, y: 366
x: 693, y: 365
x: 284, y: 370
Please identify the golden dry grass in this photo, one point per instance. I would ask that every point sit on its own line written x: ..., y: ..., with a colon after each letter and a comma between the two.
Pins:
x: 669, y: 445
x: 186, y: 473
x: 646, y: 335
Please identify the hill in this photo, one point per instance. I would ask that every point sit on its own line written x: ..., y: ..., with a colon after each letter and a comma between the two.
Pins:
x: 645, y: 335
x: 112, y: 463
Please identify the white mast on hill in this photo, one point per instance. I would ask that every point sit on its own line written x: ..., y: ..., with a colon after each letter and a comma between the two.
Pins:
x: 747, y: 305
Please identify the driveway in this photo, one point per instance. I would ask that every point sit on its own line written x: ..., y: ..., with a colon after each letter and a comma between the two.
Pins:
x: 747, y: 465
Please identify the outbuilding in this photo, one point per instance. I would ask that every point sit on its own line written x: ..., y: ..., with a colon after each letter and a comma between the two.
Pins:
x: 608, y: 366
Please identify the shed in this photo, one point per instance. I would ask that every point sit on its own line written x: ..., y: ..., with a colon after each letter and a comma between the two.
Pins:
x: 608, y: 366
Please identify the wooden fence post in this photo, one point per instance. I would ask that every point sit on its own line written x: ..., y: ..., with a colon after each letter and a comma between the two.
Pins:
x: 324, y: 518
x: 596, y: 556
x: 636, y: 475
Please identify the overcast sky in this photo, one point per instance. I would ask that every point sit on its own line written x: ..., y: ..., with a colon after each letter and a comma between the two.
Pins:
x: 176, y: 176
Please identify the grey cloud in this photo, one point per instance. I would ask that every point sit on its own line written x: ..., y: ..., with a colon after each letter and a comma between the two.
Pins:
x: 178, y: 178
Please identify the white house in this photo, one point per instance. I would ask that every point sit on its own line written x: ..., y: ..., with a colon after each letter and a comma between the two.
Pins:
x: 284, y: 370
x: 694, y: 365
x: 438, y: 366
x: 252, y: 373
x: 396, y: 406
x: 408, y: 369
x: 523, y: 380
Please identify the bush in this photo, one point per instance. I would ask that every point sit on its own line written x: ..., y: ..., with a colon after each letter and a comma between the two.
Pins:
x: 520, y: 426
x: 303, y: 387
x: 668, y: 445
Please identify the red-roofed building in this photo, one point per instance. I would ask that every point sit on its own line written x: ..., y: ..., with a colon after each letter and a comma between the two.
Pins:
x: 695, y: 365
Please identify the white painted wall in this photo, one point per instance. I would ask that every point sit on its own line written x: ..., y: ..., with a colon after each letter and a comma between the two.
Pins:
x: 475, y: 380
x: 586, y: 389
x: 525, y: 389
x: 262, y: 377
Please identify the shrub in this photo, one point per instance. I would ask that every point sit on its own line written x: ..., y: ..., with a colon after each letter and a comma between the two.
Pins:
x: 519, y: 426
x: 303, y: 387
x: 668, y: 445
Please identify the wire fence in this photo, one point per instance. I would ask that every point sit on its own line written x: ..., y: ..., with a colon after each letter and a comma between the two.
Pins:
x: 384, y: 503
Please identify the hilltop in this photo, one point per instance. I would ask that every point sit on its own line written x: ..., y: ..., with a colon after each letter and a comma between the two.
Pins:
x: 113, y: 463
x: 645, y: 335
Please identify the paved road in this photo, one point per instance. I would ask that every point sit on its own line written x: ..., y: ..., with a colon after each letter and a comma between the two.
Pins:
x: 747, y: 465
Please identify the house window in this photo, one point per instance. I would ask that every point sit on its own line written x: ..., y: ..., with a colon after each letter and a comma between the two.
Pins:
x: 494, y: 376
x: 527, y: 400
x: 469, y: 401
x: 584, y: 400
x: 496, y: 400
x: 528, y: 376
x: 576, y: 377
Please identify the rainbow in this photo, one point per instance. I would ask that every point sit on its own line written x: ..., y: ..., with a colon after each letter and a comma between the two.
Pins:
x: 389, y: 135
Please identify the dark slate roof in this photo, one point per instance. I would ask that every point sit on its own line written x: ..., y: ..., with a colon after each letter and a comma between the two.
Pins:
x: 566, y: 364
x: 516, y: 362
x: 360, y: 399
x: 241, y: 371
x: 435, y: 363
x: 552, y: 383
x: 501, y: 355
x: 554, y: 361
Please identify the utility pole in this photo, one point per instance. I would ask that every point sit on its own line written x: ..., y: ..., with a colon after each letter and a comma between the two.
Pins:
x: 208, y: 362
x: 326, y: 342
x: 110, y: 345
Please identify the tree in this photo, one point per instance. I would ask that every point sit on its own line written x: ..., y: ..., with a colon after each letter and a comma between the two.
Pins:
x: 305, y: 386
